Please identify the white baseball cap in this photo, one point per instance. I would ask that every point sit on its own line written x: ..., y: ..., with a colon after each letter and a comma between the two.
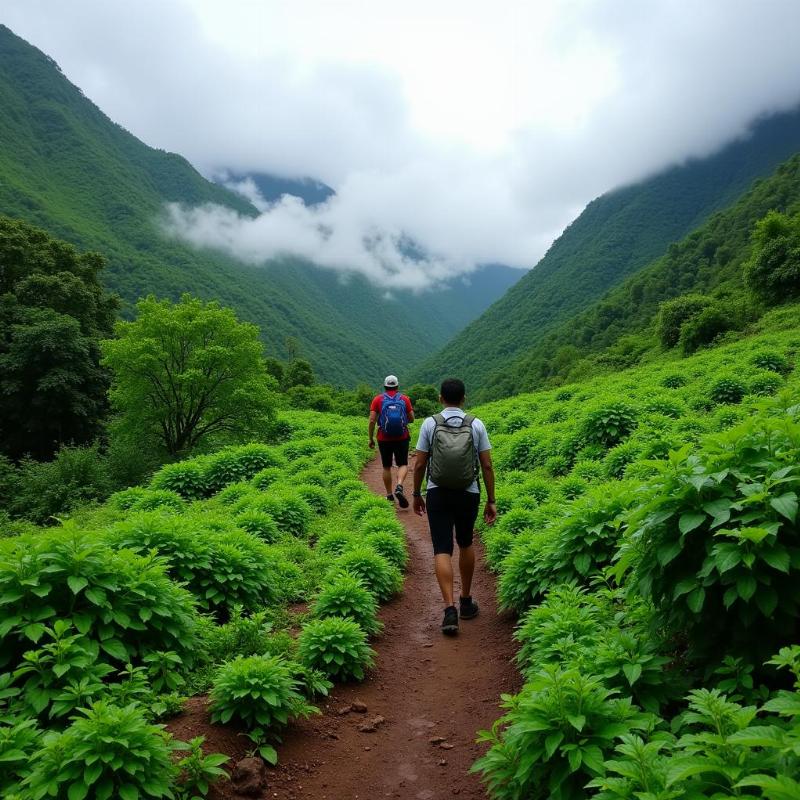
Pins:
x: 390, y: 381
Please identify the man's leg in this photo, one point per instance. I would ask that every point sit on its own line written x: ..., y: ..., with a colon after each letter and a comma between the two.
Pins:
x: 385, y: 449
x: 401, y: 474
x: 465, y: 515
x: 466, y: 566
x: 443, y: 564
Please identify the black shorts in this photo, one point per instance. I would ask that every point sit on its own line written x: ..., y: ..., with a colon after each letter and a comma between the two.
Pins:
x: 448, y: 510
x: 397, y: 449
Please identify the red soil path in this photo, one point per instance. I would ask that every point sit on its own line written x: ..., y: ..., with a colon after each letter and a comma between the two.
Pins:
x: 434, y: 693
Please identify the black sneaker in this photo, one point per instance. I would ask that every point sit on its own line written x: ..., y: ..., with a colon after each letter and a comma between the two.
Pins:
x: 450, y: 621
x: 401, y: 496
x: 467, y: 608
x: 390, y: 498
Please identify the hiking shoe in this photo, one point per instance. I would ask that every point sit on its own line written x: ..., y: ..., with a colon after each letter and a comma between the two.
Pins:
x: 390, y: 498
x: 450, y: 621
x: 467, y: 608
x: 401, y: 496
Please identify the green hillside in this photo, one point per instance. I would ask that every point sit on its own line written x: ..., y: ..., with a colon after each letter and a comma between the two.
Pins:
x: 67, y: 168
x: 619, y: 330
x: 615, y: 236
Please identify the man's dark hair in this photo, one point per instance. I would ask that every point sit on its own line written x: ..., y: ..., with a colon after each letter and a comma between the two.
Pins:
x: 453, y: 391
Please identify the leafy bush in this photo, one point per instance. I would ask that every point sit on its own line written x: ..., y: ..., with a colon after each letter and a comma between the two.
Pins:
x: 221, y: 568
x: 390, y: 546
x: 772, y: 361
x: 152, y: 499
x: 521, y: 579
x: 19, y: 739
x: 338, y: 647
x: 289, y: 509
x: 498, y: 544
x: 265, y: 478
x: 376, y: 573
x: 198, y: 771
x: 124, y: 602
x: 334, y: 543
x: 260, y: 524
x: 766, y: 384
x: 555, y: 736
x: 108, y: 752
x: 242, y: 635
x: 610, y: 425
x: 235, y: 492
x: 186, y: 478
x: 239, y: 464
x: 316, y: 497
x: 673, y: 381
x: 727, y: 390
x: 260, y: 692
x: 516, y: 521
x: 713, y: 542
x: 346, y: 596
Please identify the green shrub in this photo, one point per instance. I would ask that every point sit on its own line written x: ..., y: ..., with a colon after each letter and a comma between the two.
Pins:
x: 334, y: 543
x: 19, y: 740
x: 375, y: 572
x: 186, y: 478
x: 772, y: 361
x: 521, y: 579
x: 713, y: 542
x: 108, y: 752
x: 312, y: 477
x: 296, y: 448
x: 198, y: 771
x: 152, y: 499
x: 618, y: 458
x: 235, y: 492
x: 260, y: 524
x: 338, y: 647
x: 259, y: 692
x: 673, y: 381
x: 346, y: 596
x: 390, y: 546
x: 315, y: 496
x: 220, y: 568
x: 727, y: 390
x: 127, y: 497
x: 124, y: 602
x: 766, y: 384
x: 289, y: 510
x: 610, y: 425
x: 572, y: 486
x: 516, y: 521
x: 375, y: 523
x: 239, y: 464
x: 498, y: 544
x: 242, y: 635
x: 555, y: 736
x: 265, y: 478
x: 359, y: 508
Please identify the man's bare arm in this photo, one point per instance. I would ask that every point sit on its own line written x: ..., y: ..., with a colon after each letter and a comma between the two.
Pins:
x: 373, y: 418
x: 487, y: 468
x: 420, y: 462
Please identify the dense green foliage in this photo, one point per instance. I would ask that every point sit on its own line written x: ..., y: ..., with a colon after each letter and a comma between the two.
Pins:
x: 111, y: 617
x: 649, y: 538
x: 53, y: 313
x: 568, y: 300
x: 66, y: 167
x: 187, y: 373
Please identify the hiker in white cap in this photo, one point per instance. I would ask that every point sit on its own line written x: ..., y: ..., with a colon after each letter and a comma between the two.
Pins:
x: 392, y: 412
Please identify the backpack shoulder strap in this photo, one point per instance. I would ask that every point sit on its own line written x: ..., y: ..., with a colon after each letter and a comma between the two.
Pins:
x: 467, y: 420
x: 439, y: 419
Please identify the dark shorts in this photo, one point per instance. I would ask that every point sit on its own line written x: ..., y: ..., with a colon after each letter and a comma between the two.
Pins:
x: 449, y: 510
x: 397, y: 449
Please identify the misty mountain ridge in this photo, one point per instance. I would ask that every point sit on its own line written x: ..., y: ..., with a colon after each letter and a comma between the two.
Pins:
x: 615, y: 236
x: 66, y: 167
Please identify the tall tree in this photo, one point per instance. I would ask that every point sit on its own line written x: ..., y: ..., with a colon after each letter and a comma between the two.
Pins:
x: 188, y: 371
x: 53, y: 313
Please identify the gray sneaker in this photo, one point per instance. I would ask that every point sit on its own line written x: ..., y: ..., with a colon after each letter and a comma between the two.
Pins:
x: 450, y: 621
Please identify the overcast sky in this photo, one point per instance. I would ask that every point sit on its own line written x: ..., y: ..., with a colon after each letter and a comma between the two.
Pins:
x: 477, y: 129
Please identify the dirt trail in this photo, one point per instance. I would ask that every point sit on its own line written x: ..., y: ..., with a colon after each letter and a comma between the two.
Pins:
x: 425, y: 686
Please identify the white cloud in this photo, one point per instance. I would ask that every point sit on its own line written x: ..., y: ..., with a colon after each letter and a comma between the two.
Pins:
x: 477, y: 131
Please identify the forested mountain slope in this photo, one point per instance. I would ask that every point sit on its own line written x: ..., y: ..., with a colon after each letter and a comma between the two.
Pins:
x: 616, y: 235
x: 69, y: 169
x: 620, y: 328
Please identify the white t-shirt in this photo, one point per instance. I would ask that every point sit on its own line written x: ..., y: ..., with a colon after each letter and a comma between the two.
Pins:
x: 480, y: 437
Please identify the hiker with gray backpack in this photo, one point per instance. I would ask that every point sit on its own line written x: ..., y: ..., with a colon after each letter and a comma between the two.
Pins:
x: 453, y: 450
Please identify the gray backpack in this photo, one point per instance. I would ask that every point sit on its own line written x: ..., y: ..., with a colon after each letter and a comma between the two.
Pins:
x: 452, y: 463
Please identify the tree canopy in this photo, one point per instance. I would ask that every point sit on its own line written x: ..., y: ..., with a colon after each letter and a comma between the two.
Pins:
x: 53, y: 312
x: 187, y: 372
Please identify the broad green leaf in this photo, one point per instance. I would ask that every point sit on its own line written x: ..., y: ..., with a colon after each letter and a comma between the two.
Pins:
x: 786, y: 505
x: 696, y: 598
x: 690, y: 521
